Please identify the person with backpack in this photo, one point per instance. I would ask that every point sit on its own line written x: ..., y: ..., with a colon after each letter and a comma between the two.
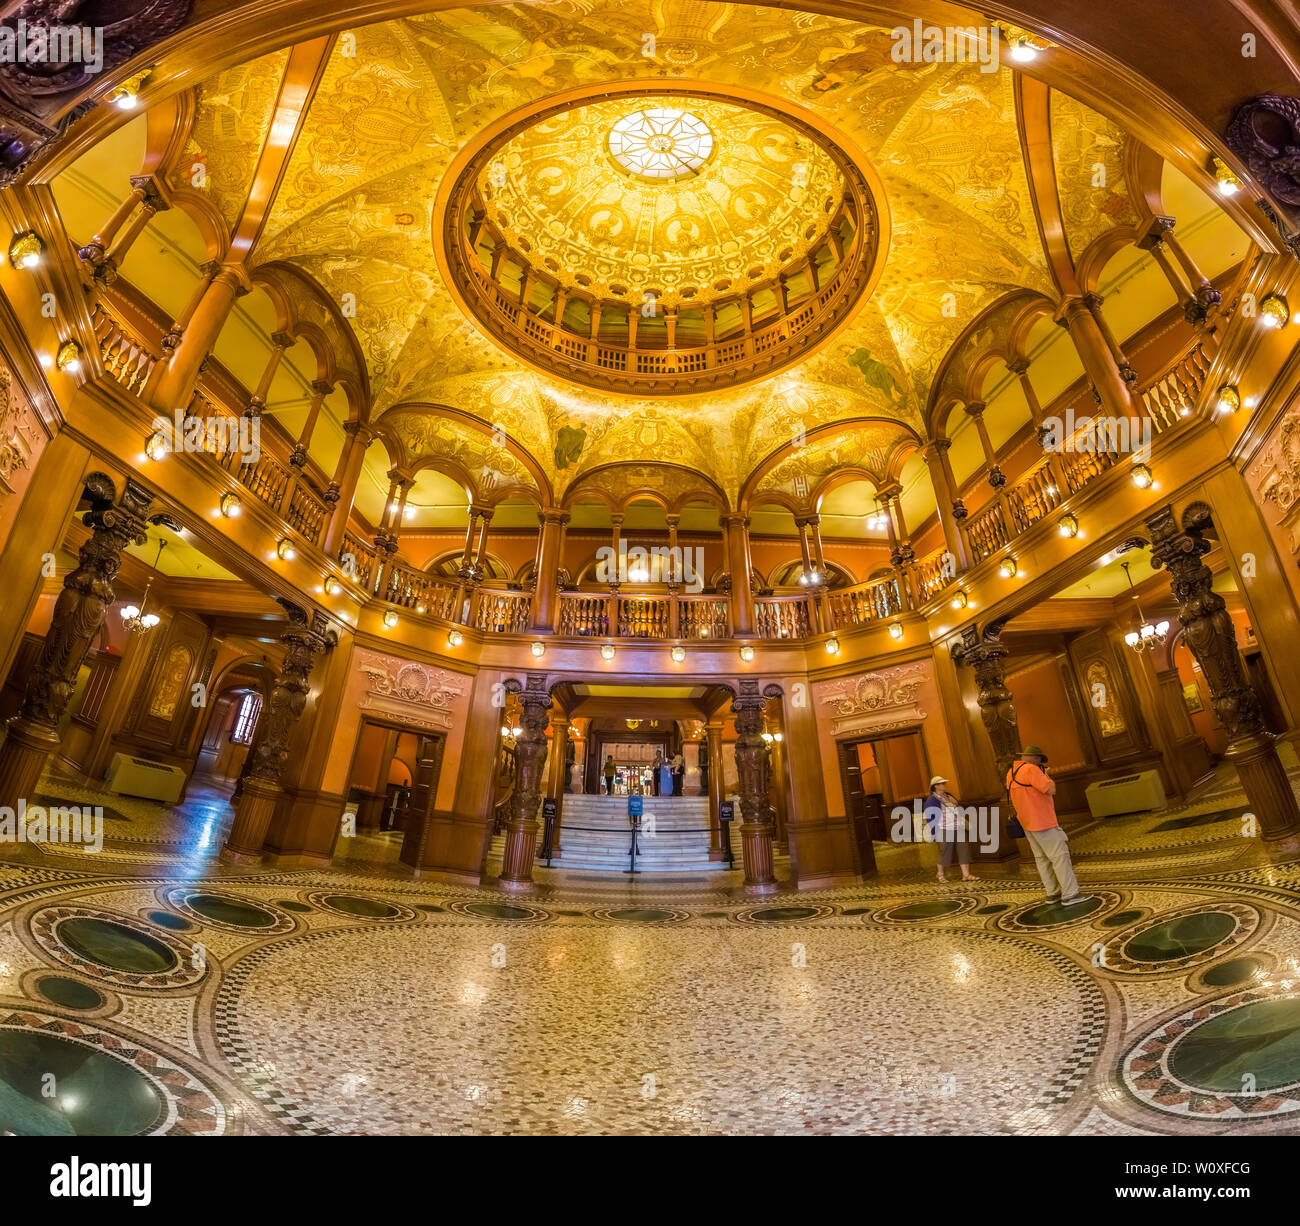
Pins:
x: 947, y: 824
x: 1030, y: 789
x: 610, y: 771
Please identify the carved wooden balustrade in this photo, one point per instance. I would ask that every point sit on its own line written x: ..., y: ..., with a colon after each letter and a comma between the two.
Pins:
x: 359, y: 561
x: 784, y: 617
x: 418, y: 590
x: 501, y: 612
x: 874, y: 600
x: 933, y: 573
x: 702, y: 617
x: 584, y: 614
x: 125, y: 356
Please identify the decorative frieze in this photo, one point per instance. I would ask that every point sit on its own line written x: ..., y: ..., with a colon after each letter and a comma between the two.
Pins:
x: 876, y: 701
x: 412, y: 693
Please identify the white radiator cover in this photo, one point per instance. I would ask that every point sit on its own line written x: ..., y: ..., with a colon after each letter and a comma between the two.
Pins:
x: 1127, y: 794
x: 132, y: 776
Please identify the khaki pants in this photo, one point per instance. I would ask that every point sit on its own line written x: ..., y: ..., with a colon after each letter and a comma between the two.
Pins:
x: 1052, y: 855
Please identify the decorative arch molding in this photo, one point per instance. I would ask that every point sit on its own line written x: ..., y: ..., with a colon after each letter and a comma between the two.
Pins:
x: 816, y: 447
x: 671, y: 486
x: 304, y: 310
x: 491, y: 464
x: 784, y: 574
x: 846, y: 476
x: 1094, y: 258
x: 497, y: 566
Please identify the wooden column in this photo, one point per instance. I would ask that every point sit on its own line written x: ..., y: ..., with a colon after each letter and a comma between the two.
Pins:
x: 1178, y: 546
x: 94, y: 252
x: 716, y: 771
x: 545, y: 604
x: 1099, y: 363
x: 262, y: 782
x: 343, y: 489
x: 33, y: 734
x: 947, y: 504
x: 177, y: 383
x: 558, y: 774
x: 739, y: 568
x: 752, y: 766
x: 530, y: 756
x: 173, y: 335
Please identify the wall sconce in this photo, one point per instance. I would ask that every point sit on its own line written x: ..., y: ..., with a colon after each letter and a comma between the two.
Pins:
x: 455, y: 639
x: 285, y: 550
x: 1274, y: 312
x: 231, y: 507
x: 332, y: 586
x: 1229, y: 184
x: 390, y: 618
x: 895, y: 630
x: 68, y: 357
x: 679, y: 654
x: 960, y: 600
x: 1069, y: 526
x: 538, y: 649
x: 747, y: 653
x: 421, y: 610
x: 156, y: 446
x: 126, y: 97
x: 1229, y: 400
x: 1142, y: 477
x: 26, y: 250
x: 1008, y: 569
x: 607, y: 651
x: 832, y: 646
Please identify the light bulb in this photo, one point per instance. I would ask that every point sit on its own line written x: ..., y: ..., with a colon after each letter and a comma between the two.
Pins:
x: 747, y: 653
x: 149, y: 620
x: 607, y: 651
x: 285, y: 550
x: 231, y: 506
x: 1022, y: 52
x: 455, y: 638
x: 390, y: 618
x: 832, y: 646
x: 156, y: 446
x: 129, y: 611
x: 679, y: 654
x: 1229, y: 400
x: 538, y: 649
x: 1069, y: 526
x: 332, y: 586
x: 1142, y: 477
x: 1274, y: 312
x: 895, y: 630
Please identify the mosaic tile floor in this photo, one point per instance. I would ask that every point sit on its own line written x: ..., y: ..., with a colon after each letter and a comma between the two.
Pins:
x: 160, y: 992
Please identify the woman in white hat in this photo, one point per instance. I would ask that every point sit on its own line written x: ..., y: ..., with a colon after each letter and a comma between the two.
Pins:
x: 948, y: 824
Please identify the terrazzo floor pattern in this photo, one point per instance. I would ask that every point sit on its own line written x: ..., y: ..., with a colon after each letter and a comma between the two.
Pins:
x: 354, y: 1001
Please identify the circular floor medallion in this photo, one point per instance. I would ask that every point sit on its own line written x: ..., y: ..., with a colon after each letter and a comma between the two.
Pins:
x: 70, y: 993
x: 229, y: 912
x: 1046, y: 916
x: 359, y: 906
x: 513, y: 912
x: 292, y: 904
x: 925, y: 910
x: 1233, y: 1058
x: 104, y: 1085
x: 122, y: 949
x: 1121, y: 919
x: 782, y: 915
x: 641, y: 915
x: 1231, y: 973
x: 1178, y: 940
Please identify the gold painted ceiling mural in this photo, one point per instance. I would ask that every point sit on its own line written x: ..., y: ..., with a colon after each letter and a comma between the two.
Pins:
x: 759, y: 200
x: 356, y: 207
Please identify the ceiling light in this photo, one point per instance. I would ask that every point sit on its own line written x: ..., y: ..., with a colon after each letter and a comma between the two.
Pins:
x: 1069, y: 526
x: 832, y: 646
x: 895, y: 630
x: 747, y: 653
x: 1229, y: 400
x: 1274, y: 312
x: 156, y: 446
x: 538, y: 649
x: 1229, y: 184
x: 390, y: 618
x: 285, y: 550
x: 231, y: 506
x: 679, y: 654
x: 1008, y: 569
x: 69, y: 357
x: 607, y: 651
x: 1142, y: 477
x: 455, y: 639
x: 26, y: 250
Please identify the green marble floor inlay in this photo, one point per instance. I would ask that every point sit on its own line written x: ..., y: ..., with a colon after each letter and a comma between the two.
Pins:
x: 925, y: 910
x: 1253, y: 1048
x: 1120, y: 919
x: 641, y: 915
x: 116, y: 946
x: 292, y: 904
x: 368, y: 907
x: 497, y: 910
x: 1235, y: 970
x: 994, y: 908
x: 95, y: 1094
x: 70, y: 993
x: 165, y: 919
x: 228, y: 911
x: 1054, y: 913
x: 1199, y: 819
x: 432, y: 908
x: 857, y: 911
x: 1179, y: 937
x: 110, y: 815
x: 779, y: 914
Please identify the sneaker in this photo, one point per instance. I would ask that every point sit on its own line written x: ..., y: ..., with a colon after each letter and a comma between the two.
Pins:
x: 1052, y: 899
x: 1078, y: 898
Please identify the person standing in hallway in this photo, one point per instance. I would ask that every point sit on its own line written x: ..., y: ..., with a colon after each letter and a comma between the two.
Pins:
x: 679, y: 772
x: 947, y: 823
x: 1031, y: 789
x: 654, y: 770
x: 610, y: 771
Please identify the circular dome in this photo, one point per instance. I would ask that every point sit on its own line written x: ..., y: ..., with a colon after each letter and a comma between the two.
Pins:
x: 659, y: 242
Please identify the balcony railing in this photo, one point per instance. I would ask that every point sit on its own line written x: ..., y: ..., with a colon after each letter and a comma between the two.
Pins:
x: 785, y: 617
x: 867, y: 602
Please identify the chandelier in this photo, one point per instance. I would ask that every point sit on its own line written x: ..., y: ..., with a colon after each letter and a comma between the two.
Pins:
x: 1148, y: 635
x: 136, y: 620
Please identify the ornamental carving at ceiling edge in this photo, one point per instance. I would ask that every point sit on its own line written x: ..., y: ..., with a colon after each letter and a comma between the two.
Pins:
x: 417, y: 693
x: 882, y: 700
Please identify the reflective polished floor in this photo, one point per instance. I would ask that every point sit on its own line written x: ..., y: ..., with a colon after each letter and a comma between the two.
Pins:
x: 146, y: 989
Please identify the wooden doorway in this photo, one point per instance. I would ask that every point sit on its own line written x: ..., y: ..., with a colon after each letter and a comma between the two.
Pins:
x: 877, y: 773
x: 394, y: 776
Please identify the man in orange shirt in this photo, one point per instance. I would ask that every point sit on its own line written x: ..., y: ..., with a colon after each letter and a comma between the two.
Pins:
x: 1031, y: 790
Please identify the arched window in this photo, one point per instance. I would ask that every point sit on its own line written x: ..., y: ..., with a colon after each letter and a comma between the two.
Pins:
x: 246, y: 720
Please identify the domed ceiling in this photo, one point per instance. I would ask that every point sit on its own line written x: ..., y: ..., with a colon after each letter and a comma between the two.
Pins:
x: 686, y: 198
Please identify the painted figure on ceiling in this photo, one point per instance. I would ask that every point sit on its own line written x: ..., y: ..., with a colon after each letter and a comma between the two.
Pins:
x: 569, y: 443
x: 877, y: 375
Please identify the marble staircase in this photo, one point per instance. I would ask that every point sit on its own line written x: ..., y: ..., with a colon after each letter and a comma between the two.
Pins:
x: 680, y: 842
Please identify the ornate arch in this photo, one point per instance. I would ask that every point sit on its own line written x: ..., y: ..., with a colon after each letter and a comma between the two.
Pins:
x: 672, y: 486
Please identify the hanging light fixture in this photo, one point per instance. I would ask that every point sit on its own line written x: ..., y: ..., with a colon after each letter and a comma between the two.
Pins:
x: 136, y: 620
x: 1147, y: 635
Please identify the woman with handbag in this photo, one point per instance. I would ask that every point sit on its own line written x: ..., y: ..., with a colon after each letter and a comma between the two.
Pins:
x: 948, y: 824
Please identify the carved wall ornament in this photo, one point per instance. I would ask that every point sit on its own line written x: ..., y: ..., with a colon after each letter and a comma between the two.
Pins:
x: 1277, y: 473
x: 417, y: 694
x: 18, y: 431
x: 886, y: 699
x: 1265, y: 135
